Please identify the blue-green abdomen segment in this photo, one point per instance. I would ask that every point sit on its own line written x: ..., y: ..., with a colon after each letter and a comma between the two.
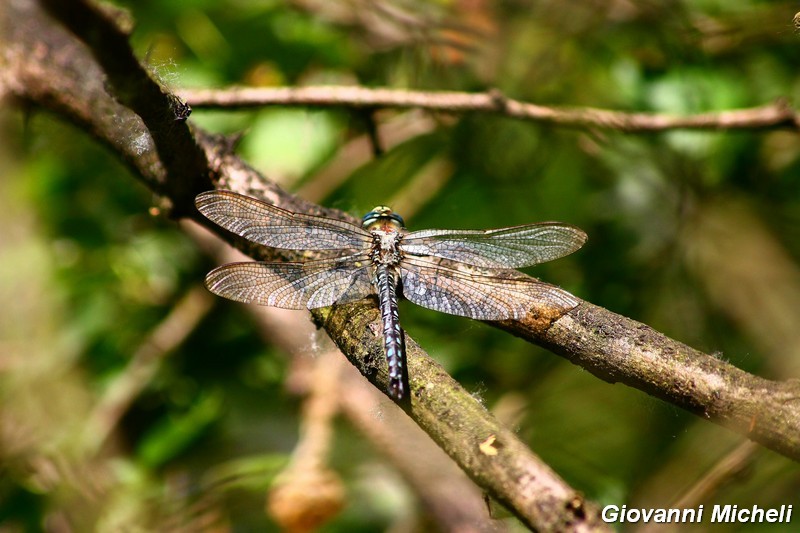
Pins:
x: 386, y: 280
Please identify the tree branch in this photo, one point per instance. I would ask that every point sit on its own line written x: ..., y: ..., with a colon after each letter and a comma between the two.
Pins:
x: 163, y: 114
x: 488, y: 452
x: 618, y: 349
x: 774, y: 115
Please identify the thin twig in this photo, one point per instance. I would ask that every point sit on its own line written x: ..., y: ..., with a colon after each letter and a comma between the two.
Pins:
x: 726, y: 469
x: 307, y: 493
x: 144, y: 364
x: 722, y: 472
x: 774, y: 115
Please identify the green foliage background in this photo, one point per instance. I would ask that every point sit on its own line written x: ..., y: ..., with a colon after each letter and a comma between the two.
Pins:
x: 86, y: 273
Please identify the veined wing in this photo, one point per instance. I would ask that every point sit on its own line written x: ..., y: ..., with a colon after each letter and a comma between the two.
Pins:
x: 272, y: 226
x: 306, y: 285
x: 514, y: 247
x: 481, y: 296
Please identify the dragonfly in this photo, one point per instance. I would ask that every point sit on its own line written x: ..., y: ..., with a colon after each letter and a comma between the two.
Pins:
x: 468, y: 273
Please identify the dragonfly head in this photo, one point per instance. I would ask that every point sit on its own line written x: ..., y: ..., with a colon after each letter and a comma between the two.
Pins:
x: 380, y: 217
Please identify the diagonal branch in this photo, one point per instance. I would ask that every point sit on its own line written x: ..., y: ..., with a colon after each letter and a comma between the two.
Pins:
x: 488, y: 452
x: 132, y: 85
x: 618, y: 349
x: 774, y: 115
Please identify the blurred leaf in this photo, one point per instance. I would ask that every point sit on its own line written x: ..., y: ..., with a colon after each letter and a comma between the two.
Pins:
x: 285, y: 144
x: 173, y: 434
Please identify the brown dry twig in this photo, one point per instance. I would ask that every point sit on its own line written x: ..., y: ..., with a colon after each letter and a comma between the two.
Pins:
x: 774, y: 115
x: 145, y: 363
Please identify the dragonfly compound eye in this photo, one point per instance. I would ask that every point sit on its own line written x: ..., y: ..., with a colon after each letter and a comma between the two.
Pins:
x: 381, y: 214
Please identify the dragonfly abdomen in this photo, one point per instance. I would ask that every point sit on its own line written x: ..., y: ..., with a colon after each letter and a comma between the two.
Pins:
x: 386, y: 280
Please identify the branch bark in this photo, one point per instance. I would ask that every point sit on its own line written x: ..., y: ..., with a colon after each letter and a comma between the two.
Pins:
x: 618, y: 349
x: 163, y: 114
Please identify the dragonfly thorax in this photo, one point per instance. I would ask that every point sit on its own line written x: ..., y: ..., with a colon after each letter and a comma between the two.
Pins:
x: 386, y: 247
x: 387, y: 229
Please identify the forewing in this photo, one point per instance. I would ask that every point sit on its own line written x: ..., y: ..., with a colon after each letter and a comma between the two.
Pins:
x: 515, y: 247
x: 483, y: 296
x: 306, y: 285
x: 272, y: 226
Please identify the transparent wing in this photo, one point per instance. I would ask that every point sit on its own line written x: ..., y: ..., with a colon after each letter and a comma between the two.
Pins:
x: 272, y: 226
x: 483, y: 296
x: 306, y: 285
x: 515, y: 247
